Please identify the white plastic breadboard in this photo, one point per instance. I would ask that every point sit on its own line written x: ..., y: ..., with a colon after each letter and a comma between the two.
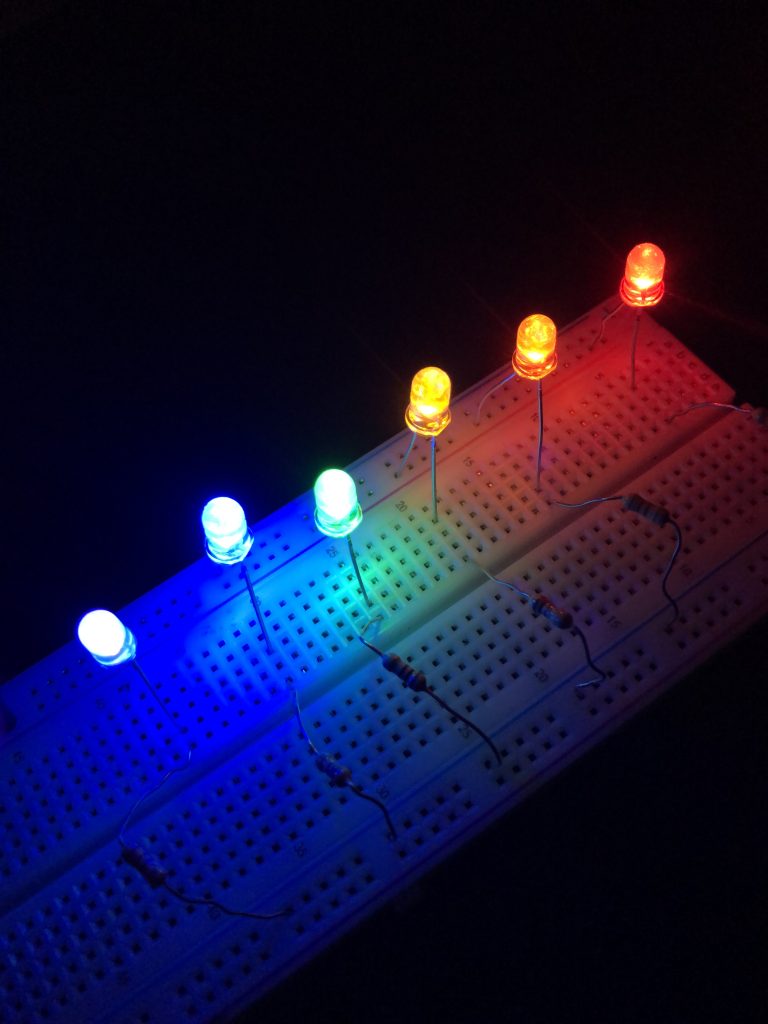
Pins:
x: 251, y: 822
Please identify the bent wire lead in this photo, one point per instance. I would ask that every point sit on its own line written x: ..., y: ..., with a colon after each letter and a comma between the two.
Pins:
x: 642, y: 286
x: 228, y: 540
x: 492, y: 391
x: 534, y: 358
x: 541, y: 605
x: 339, y: 776
x: 338, y: 513
x: 428, y: 414
x: 608, y: 316
x: 758, y: 413
x: 656, y: 514
x: 110, y: 643
x: 179, y: 768
x: 408, y: 451
x: 153, y: 872
x: 415, y: 680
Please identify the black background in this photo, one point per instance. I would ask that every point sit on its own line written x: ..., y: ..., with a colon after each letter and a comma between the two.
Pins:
x: 230, y: 234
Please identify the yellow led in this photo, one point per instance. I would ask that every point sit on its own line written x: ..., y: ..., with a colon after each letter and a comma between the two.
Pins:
x: 429, y: 411
x: 535, y: 355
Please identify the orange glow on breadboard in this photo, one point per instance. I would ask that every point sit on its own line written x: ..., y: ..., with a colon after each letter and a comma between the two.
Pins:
x: 429, y: 411
x: 643, y: 282
x: 535, y: 355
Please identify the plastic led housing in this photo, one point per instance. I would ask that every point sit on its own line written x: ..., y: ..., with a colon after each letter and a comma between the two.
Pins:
x: 227, y: 537
x: 534, y: 356
x: 643, y: 281
x: 337, y: 510
x: 106, y: 638
x: 429, y: 410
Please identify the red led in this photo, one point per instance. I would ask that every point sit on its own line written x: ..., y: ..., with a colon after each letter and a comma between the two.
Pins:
x: 643, y: 282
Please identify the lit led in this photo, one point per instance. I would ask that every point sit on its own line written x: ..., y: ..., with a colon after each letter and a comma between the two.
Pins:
x: 429, y: 411
x: 534, y: 356
x: 643, y: 282
x: 105, y: 638
x: 337, y: 510
x: 227, y: 537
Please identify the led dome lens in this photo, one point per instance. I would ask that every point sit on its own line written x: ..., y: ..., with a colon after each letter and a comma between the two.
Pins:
x: 429, y: 411
x: 105, y: 638
x: 337, y: 510
x: 534, y: 356
x: 643, y: 282
x: 227, y: 537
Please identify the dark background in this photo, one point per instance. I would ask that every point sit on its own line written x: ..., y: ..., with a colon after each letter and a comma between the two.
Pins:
x: 230, y: 234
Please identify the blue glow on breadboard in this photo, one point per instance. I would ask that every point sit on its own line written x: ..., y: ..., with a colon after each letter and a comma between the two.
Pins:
x: 251, y: 822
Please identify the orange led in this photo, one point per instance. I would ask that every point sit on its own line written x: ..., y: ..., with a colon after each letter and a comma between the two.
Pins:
x: 643, y: 282
x: 534, y: 356
x: 429, y: 411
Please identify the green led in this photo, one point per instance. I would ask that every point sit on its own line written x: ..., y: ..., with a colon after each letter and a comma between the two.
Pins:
x: 337, y: 510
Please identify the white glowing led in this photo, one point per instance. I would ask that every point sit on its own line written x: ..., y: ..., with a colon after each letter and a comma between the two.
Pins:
x: 105, y: 638
x: 337, y: 510
x: 227, y: 537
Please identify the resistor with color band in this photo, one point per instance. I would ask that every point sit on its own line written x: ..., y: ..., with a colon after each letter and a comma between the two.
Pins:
x: 338, y: 774
x: 148, y: 867
x: 417, y: 682
x: 412, y: 678
x: 541, y: 605
x: 656, y: 514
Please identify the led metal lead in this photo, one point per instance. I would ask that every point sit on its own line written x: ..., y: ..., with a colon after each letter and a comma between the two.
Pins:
x: 338, y: 512
x: 428, y: 414
x: 641, y: 286
x: 228, y: 541
x: 533, y: 359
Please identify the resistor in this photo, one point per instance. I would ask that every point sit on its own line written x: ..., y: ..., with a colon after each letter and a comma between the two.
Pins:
x: 657, y: 514
x: 412, y: 678
x: 417, y: 681
x: 149, y: 868
x: 338, y: 775
x: 541, y: 605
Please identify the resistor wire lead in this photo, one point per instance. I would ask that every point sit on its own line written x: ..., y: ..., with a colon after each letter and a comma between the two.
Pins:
x: 179, y: 768
x: 339, y: 776
x: 417, y: 681
x: 757, y: 413
x: 656, y: 514
x: 150, y: 869
x: 541, y: 605
x: 492, y: 390
x: 604, y: 321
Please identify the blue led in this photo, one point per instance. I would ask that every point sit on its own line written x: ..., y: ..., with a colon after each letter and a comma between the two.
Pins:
x: 227, y: 537
x: 105, y: 638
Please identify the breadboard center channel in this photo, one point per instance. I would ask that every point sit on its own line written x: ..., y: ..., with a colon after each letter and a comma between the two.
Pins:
x: 251, y: 822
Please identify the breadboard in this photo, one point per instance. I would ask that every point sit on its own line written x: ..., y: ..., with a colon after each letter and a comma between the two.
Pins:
x: 251, y: 822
